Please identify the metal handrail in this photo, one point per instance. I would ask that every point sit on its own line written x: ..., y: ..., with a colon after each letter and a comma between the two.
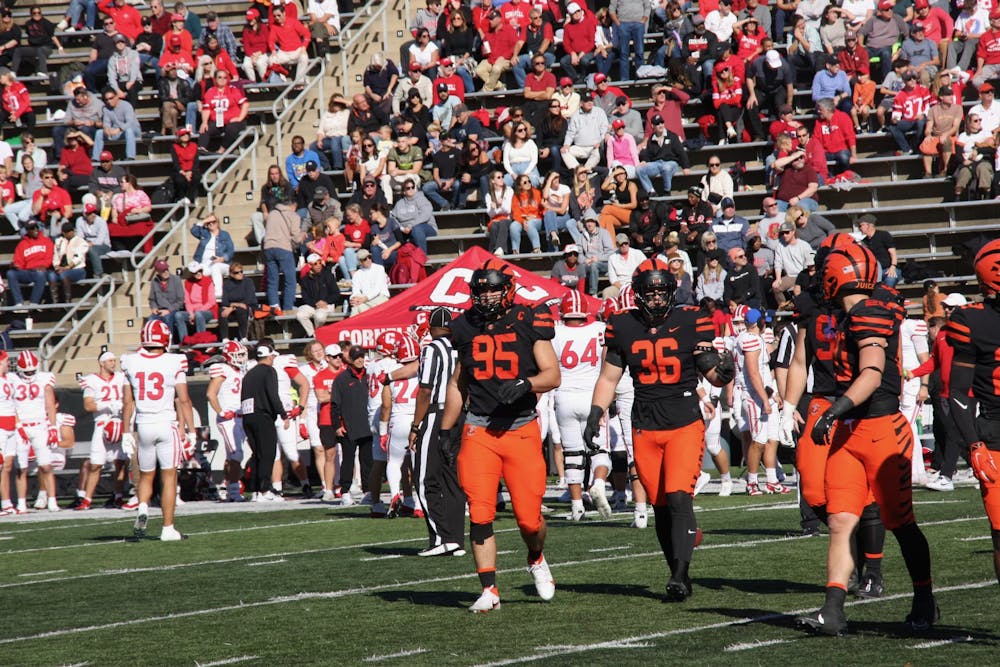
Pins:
x: 47, y: 349
x: 292, y: 102
x: 140, y: 260
x: 237, y: 145
x: 362, y: 32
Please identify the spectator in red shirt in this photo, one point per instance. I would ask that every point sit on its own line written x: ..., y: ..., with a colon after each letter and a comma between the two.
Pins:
x: 32, y: 260
x: 16, y: 109
x: 853, y: 57
x: 223, y: 113
x: 988, y: 51
x: 835, y: 131
x: 256, y: 55
x: 500, y: 44
x: 815, y: 154
x: 578, y: 42
x: 668, y: 103
x: 175, y: 57
x: 127, y: 18
x: 909, y: 113
x: 186, y: 175
x: 75, y: 166
x: 727, y: 98
x: 51, y: 204
x: 287, y: 41
x: 938, y: 25
x: 177, y: 29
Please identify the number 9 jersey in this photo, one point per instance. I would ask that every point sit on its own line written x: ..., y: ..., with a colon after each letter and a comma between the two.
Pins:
x: 153, y: 378
x: 661, y: 362
x: 493, y: 352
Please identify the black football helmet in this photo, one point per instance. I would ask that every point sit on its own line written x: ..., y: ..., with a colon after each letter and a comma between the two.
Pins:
x: 654, y: 288
x: 492, y: 288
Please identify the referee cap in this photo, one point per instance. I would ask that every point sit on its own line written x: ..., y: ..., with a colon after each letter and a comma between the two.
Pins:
x: 440, y: 318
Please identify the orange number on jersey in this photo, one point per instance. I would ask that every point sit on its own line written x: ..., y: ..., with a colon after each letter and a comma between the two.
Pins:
x: 492, y: 360
x: 824, y: 338
x: 657, y: 364
x: 150, y: 386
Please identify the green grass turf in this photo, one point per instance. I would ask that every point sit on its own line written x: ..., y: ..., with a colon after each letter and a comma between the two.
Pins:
x: 327, y: 586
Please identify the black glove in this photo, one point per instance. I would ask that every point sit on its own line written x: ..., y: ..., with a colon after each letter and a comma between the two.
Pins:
x: 593, y: 429
x: 448, y: 446
x: 613, y: 410
x: 725, y: 369
x: 512, y: 390
x: 822, y: 430
x: 720, y: 362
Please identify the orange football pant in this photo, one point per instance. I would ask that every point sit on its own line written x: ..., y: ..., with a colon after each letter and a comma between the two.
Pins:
x: 669, y: 460
x: 486, y: 456
x: 872, y: 457
x: 810, y: 458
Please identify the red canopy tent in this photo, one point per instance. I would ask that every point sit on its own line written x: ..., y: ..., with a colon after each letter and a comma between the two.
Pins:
x: 448, y: 287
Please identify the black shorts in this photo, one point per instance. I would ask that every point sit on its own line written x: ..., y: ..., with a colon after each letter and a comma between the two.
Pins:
x: 328, y: 437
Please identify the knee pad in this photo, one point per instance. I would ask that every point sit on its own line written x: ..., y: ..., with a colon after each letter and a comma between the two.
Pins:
x: 480, y: 532
x: 714, y: 446
x: 600, y: 459
x: 871, y: 515
x: 680, y: 502
x: 573, y: 462
x: 619, y: 462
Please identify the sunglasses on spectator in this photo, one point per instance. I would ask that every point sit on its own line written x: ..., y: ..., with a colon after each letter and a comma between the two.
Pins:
x: 236, y: 273
x: 369, y: 185
x: 714, y: 164
x: 408, y: 188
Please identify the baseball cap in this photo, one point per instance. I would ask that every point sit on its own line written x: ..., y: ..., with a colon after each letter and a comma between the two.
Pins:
x: 194, y: 267
x: 591, y: 215
x: 332, y: 350
x: 357, y: 352
x: 120, y: 39
x: 89, y: 208
x: 565, y: 81
x: 867, y: 217
x: 440, y: 317
x: 572, y: 247
x: 850, y: 34
x: 986, y: 87
x: 106, y: 156
x: 311, y: 165
x: 445, y: 62
x: 695, y: 190
x: 772, y: 59
x: 600, y: 78
x: 921, y: 4
x: 995, y: 13
x: 320, y: 192
x: 176, y: 17
x: 909, y: 75
x: 363, y: 254
x: 252, y: 14
x: 442, y: 87
x: 656, y: 120
x: 414, y: 66
x: 263, y: 352
x: 105, y: 356
x: 955, y: 299
x: 727, y: 202
x: 620, y: 239
x: 885, y: 4
x: 786, y: 227
x: 917, y: 27
x: 621, y: 99
x: 369, y: 179
x: 617, y: 123
x: 572, y: 8
x: 183, y: 131
x: 313, y: 258
x: 753, y: 316
x: 159, y: 265
x: 811, y: 259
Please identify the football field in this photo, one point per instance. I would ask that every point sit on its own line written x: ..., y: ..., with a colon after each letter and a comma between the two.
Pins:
x: 311, y: 584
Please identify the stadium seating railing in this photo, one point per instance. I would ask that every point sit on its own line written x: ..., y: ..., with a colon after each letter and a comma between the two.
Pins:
x: 361, y: 24
x: 76, y: 317
x: 218, y: 172
x: 290, y: 98
x: 173, y: 220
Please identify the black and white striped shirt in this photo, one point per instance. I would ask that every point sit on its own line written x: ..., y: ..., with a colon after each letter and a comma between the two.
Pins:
x: 786, y: 345
x: 437, y: 364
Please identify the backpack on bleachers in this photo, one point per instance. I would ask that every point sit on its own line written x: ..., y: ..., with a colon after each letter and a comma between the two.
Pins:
x: 163, y: 193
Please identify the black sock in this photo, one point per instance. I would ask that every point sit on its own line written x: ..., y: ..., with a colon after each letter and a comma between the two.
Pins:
x: 533, y: 556
x: 835, y: 596
x: 871, y: 541
x: 487, y: 578
x: 684, y: 528
x: 663, y: 523
x: 916, y: 553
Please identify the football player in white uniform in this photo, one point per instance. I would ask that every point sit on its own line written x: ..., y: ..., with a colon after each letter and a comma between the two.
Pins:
x: 103, y: 393
x: 711, y: 397
x: 223, y: 393
x: 287, y: 368
x: 578, y: 344
x: 914, y: 351
x: 154, y: 378
x: 761, y: 405
x: 35, y: 395
x: 382, y: 363
x: 8, y: 433
x: 399, y: 401
x: 315, y: 362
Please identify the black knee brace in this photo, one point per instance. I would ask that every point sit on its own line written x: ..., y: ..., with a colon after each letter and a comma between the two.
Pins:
x: 871, y: 515
x: 619, y: 462
x: 480, y: 532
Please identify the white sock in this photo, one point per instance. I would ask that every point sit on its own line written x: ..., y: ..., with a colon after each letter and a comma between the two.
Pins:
x: 598, y: 483
x: 772, y: 475
x: 276, y: 486
x: 22, y: 504
x: 726, y: 477
x: 82, y: 493
x: 576, y: 505
x: 143, y: 508
x: 751, y: 478
x: 640, y: 508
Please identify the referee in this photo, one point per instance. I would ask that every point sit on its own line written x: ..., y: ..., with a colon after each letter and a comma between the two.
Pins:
x: 437, y: 485
x: 261, y: 406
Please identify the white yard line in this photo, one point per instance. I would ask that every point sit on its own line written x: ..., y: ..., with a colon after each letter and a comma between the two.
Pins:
x: 975, y: 539
x: 41, y: 574
x: 940, y: 502
x: 382, y: 557
x: 400, y: 654
x: 746, y: 646
x: 768, y: 508
x: 508, y: 551
x: 621, y: 548
x: 226, y: 661
x: 943, y: 642
x: 267, y: 562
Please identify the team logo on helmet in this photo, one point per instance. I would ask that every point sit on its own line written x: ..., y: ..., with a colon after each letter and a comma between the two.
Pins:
x: 492, y: 289
x: 235, y: 353
x: 571, y: 306
x: 654, y: 288
x: 154, y: 334
x: 385, y: 344
x: 406, y: 350
x: 27, y: 363
x: 987, y: 265
x: 112, y: 432
x: 852, y: 268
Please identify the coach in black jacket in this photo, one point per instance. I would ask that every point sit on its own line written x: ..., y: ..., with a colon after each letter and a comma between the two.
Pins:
x: 349, y: 415
x: 261, y: 406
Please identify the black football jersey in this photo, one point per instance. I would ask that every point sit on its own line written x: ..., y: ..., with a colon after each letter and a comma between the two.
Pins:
x: 974, y: 332
x: 660, y: 360
x: 493, y: 352
x: 871, y: 318
x: 821, y: 330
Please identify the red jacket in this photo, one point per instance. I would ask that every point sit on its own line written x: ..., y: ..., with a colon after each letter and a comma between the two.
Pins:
x: 288, y: 37
x: 34, y: 254
x: 937, y: 26
x: 579, y: 37
x: 853, y: 62
x: 256, y: 42
x: 127, y: 18
x: 836, y: 134
x: 816, y: 157
x: 185, y: 156
x: 16, y: 100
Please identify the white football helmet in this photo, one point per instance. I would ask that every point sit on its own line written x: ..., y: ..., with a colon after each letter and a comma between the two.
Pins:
x: 27, y: 364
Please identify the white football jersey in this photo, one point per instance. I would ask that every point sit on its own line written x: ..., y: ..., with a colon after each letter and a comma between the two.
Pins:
x: 404, y: 396
x: 107, y: 393
x: 8, y: 408
x: 579, y: 352
x: 913, y: 341
x: 153, y: 378
x: 30, y: 396
x: 625, y: 385
x: 287, y: 367
x: 309, y: 370
x: 65, y: 419
x: 373, y: 370
x: 750, y: 342
x: 232, y: 385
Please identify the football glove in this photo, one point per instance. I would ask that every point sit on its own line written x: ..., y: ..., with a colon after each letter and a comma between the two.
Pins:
x: 383, y: 442
x: 512, y: 390
x: 190, y: 440
x: 720, y: 362
x: 593, y: 429
x: 788, y: 426
x: 226, y: 416
x: 303, y: 431
x: 294, y: 412
x: 822, y: 431
x: 53, y: 436
x: 448, y: 445
x: 983, y: 463
x: 128, y: 444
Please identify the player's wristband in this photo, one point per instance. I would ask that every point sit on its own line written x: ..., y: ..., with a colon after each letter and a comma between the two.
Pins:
x: 416, y: 427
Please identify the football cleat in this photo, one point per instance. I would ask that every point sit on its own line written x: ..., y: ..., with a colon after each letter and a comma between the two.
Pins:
x: 677, y: 590
x: 133, y: 503
x: 139, y: 527
x: 40, y: 503
x: 726, y: 488
x: 488, y: 601
x: 753, y: 489
x: 871, y: 588
x: 347, y: 500
x: 544, y: 584
x: 378, y: 511
x: 417, y: 513
x: 940, y: 483
x: 778, y: 488
x: 7, y: 511
x: 703, y: 479
x: 639, y: 520
x: 824, y: 622
x: 83, y: 505
x: 171, y: 534
x: 577, y: 514
x: 598, y: 496
x: 455, y: 549
x: 329, y: 496
x: 395, y: 507
x: 924, y: 613
x: 53, y: 506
